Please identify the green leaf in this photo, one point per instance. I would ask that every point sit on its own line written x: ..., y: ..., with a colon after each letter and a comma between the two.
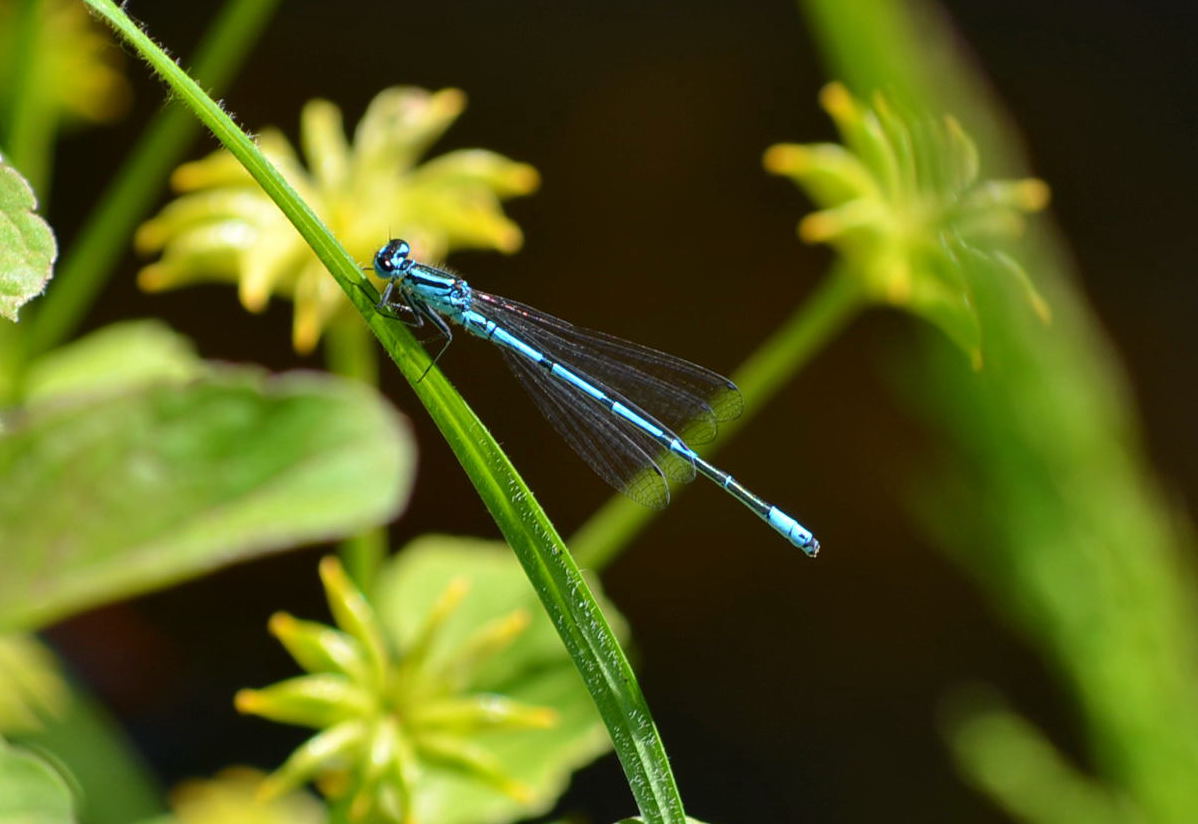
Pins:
x: 27, y: 247
x: 1008, y: 757
x: 107, y: 496
x: 111, y: 783
x: 31, y: 792
x: 534, y: 669
x: 122, y: 356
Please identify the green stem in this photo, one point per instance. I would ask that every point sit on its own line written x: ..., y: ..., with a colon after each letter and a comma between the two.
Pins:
x: 786, y: 351
x: 29, y: 120
x: 567, y: 599
x: 351, y: 352
x: 88, y: 264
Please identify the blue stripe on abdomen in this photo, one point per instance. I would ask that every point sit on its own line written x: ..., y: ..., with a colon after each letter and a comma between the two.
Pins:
x: 574, y: 380
x: 505, y: 338
x: 627, y: 414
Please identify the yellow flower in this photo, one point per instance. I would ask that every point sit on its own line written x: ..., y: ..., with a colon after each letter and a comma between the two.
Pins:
x: 225, y: 228
x: 31, y: 687
x: 74, y: 62
x: 234, y: 797
x: 385, y: 715
x: 903, y: 203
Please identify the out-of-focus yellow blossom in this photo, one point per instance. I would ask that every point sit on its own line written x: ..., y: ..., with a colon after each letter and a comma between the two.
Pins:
x: 902, y: 201
x: 384, y: 714
x: 75, y: 63
x: 225, y: 228
x: 234, y: 797
x: 31, y: 686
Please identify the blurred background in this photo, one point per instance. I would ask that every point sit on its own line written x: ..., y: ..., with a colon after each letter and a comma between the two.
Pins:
x: 785, y: 689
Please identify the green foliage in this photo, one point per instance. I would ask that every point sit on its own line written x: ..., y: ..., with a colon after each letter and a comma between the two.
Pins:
x: 122, y: 357
x: 31, y: 687
x: 129, y: 463
x: 111, y: 782
x: 1064, y: 525
x: 27, y: 246
x: 31, y: 791
x: 141, y: 479
x: 533, y: 670
x: 90, y: 260
x: 56, y: 68
x: 1009, y: 758
x: 904, y: 204
x: 75, y: 67
x: 1069, y: 530
x: 554, y: 575
x: 453, y: 701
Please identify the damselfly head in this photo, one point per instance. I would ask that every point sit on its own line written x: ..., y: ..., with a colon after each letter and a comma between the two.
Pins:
x: 392, y: 260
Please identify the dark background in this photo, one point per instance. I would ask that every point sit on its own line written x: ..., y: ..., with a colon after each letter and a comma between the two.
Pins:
x: 786, y: 690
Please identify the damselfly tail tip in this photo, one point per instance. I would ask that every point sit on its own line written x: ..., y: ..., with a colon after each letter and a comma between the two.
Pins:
x: 792, y: 530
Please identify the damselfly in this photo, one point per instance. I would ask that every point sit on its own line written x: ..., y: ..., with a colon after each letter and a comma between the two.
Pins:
x: 629, y: 411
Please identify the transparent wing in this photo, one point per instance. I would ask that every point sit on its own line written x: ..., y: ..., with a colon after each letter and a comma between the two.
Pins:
x: 621, y: 455
x: 688, y: 399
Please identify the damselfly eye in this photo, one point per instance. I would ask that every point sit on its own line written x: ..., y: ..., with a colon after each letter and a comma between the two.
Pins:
x: 391, y: 259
